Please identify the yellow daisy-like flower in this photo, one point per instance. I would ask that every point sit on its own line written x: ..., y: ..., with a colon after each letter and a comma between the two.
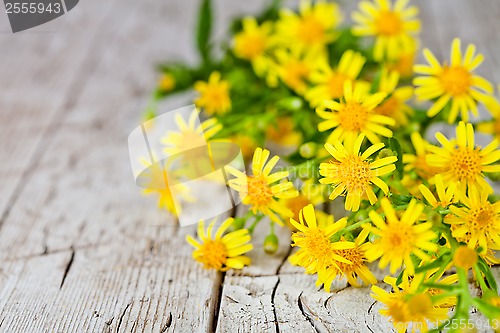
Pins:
x: 283, y: 132
x: 221, y: 252
x: 329, y: 83
x: 312, y: 28
x: 406, y: 308
x: 166, y: 82
x: 394, y: 26
x: 316, y: 253
x: 491, y: 126
x: 418, y: 162
x: 214, y: 95
x: 352, y: 173
x: 294, y: 66
x: 445, y: 195
x: 463, y: 162
x: 189, y: 135
x: 261, y: 190
x: 394, y: 106
x: 252, y: 42
x: 357, y: 267
x: 405, y: 61
x: 478, y: 220
x: 456, y: 83
x: 399, y: 238
x: 354, y: 115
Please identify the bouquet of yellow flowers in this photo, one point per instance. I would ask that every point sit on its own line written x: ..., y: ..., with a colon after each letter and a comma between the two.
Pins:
x: 349, y: 111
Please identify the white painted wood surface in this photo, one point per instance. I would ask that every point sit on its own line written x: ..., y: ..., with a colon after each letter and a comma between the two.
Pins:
x: 81, y: 249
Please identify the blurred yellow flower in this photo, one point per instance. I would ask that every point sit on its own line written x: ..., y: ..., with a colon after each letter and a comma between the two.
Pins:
x: 407, y: 308
x: 214, y: 95
x: 394, y: 26
x: 477, y: 220
x: 463, y: 162
x: 329, y: 83
x: 283, y: 132
x: 221, y: 252
x: 352, y: 173
x: 313, y: 27
x: 166, y: 82
x: 404, y: 62
x: 399, y: 238
x: 316, y: 253
x: 353, y: 115
x: 456, y: 83
x: 394, y: 106
x: 294, y: 67
x: 261, y: 190
x: 491, y: 126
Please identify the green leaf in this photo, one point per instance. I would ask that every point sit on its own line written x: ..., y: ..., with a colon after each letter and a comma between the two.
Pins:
x: 396, y: 147
x: 485, y: 269
x: 204, y: 30
x: 439, y: 262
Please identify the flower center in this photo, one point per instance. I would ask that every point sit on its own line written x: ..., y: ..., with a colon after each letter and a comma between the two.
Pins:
x: 216, y: 95
x: 388, y: 23
x: 465, y: 257
x: 388, y: 108
x: 355, y: 256
x: 355, y: 173
x: 214, y: 254
x: 455, y: 80
x: 296, y: 204
x: 250, y: 46
x: 318, y: 243
x: 259, y: 193
x: 466, y: 163
x: 398, y: 310
x: 419, y: 305
x: 294, y: 74
x: 311, y: 30
x: 335, y: 85
x: 482, y: 218
x: 353, y: 116
x: 398, y: 237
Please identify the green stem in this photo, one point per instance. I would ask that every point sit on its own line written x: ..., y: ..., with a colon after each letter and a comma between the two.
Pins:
x: 255, y: 222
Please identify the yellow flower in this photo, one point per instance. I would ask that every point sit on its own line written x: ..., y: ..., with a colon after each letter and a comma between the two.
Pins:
x: 189, y: 135
x: 357, y: 267
x: 405, y: 61
x: 407, y: 308
x: 465, y: 257
x: 445, y: 195
x: 221, y: 252
x: 491, y: 126
x: 261, y: 190
x: 214, y: 95
x: 394, y: 106
x: 329, y: 83
x: 455, y: 82
x: 394, y: 26
x: 399, y: 238
x: 477, y: 221
x: 284, y: 132
x: 312, y: 28
x: 354, y: 115
x: 463, y: 162
x: 294, y: 67
x: 418, y: 162
x: 316, y: 253
x: 252, y: 42
x: 166, y: 82
x: 246, y: 143
x: 352, y: 173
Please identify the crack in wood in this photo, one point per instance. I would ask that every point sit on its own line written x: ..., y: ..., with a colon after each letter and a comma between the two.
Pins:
x: 284, y: 260
x: 68, y: 267
x: 273, y: 295
x: 305, y: 314
x: 167, y: 324
x: 121, y: 317
x: 218, y: 301
x: 369, y: 310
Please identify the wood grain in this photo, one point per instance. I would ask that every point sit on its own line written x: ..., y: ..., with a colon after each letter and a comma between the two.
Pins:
x: 81, y: 249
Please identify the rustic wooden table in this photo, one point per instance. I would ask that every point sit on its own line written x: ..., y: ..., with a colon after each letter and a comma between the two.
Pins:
x: 81, y: 250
